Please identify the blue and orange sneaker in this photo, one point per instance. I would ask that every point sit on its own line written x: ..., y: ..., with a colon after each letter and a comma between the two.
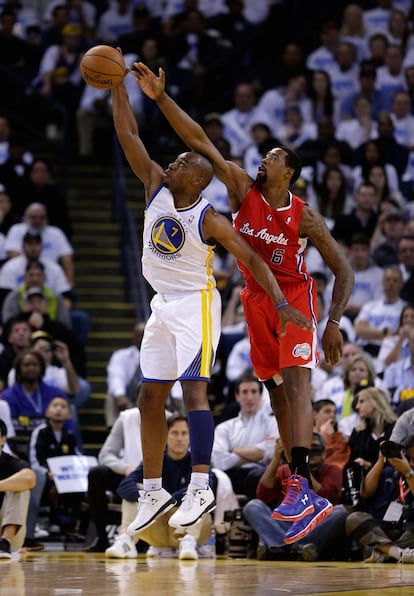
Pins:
x: 301, y: 528
x: 297, y: 503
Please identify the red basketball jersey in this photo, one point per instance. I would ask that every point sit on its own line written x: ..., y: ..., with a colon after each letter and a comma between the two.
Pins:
x: 274, y: 235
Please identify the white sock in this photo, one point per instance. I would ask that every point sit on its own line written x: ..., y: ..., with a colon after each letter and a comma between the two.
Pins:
x: 395, y: 552
x: 199, y: 479
x: 152, y: 484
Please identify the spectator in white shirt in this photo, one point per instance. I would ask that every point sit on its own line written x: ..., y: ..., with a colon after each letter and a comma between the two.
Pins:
x: 237, y: 121
x: 391, y: 77
x: 379, y: 318
x: 360, y: 129
x: 244, y: 445
x: 115, y: 21
x: 123, y: 377
x: 323, y: 58
x: 55, y: 245
x: 403, y: 119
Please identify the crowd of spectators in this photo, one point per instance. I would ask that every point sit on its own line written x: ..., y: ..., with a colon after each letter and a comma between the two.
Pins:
x: 344, y: 101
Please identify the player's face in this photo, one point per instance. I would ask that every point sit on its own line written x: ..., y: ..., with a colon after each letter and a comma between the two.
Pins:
x: 272, y: 166
x: 179, y: 172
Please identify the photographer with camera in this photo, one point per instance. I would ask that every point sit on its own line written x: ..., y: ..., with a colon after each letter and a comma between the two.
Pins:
x: 385, y: 529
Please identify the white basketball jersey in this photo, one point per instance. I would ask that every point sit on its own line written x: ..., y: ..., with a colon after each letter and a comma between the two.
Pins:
x: 175, y: 256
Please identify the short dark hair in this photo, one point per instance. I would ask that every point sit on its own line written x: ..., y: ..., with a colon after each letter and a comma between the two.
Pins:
x: 248, y: 378
x: 321, y: 403
x: 171, y: 420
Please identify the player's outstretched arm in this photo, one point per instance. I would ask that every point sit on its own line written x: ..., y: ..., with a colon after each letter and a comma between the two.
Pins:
x: 217, y: 227
x: 238, y: 182
x: 126, y: 128
x: 313, y: 225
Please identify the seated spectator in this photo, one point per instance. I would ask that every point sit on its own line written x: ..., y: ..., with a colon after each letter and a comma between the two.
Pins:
x: 164, y: 540
x: 237, y: 122
x: 323, y: 57
x: 376, y: 420
x: 403, y: 118
x: 53, y: 439
x: 118, y: 457
x: 15, y: 339
x: 12, y: 272
x: 358, y: 367
x: 61, y: 373
x: 369, y: 156
x: 332, y: 196
x: 383, y: 531
x: 368, y: 278
x: 29, y: 397
x: 390, y: 76
x: 399, y: 377
x: 360, y: 129
x: 337, y: 450
x: 16, y: 480
x: 39, y: 187
x: 114, y: 22
x: 123, y: 377
x: 244, y: 445
x: 55, y: 245
x: 295, y: 130
x: 363, y: 217
x: 395, y: 348
x: 35, y: 310
x: 379, y: 318
x: 328, y: 537
x: 59, y: 79
x: 366, y: 78
x: 392, y: 223
x: 34, y: 295
x: 320, y: 95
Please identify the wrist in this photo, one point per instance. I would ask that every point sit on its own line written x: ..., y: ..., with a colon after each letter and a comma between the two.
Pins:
x: 282, y: 304
x: 334, y: 321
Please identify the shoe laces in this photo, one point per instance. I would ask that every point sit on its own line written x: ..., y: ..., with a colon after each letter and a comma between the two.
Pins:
x: 187, y: 501
x: 407, y: 556
x: 294, y: 488
x: 146, y: 499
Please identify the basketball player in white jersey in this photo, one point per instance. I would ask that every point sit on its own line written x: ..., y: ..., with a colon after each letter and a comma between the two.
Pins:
x: 182, y: 333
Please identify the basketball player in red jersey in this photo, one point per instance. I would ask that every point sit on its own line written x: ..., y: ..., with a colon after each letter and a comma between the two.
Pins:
x: 277, y: 225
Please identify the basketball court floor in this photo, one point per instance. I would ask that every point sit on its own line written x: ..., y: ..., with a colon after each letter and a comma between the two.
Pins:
x: 77, y: 573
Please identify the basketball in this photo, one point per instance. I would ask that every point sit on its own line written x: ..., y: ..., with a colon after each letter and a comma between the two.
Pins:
x: 102, y: 67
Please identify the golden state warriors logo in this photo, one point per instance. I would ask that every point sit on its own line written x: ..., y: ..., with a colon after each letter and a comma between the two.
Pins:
x: 167, y: 235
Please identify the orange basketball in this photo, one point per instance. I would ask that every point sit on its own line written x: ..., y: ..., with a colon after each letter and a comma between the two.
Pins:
x: 102, y: 67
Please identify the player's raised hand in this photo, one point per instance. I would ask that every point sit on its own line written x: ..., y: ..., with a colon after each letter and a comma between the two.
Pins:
x: 149, y: 83
x: 288, y: 314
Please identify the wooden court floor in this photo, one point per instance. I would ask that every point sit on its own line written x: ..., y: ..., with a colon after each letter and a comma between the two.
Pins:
x: 77, y: 573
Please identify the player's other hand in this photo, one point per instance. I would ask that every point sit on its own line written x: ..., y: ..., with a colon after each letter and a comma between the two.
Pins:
x: 288, y: 314
x: 332, y: 344
x: 149, y: 83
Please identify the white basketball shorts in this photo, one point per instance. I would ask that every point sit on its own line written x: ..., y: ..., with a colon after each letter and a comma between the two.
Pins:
x: 181, y: 336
